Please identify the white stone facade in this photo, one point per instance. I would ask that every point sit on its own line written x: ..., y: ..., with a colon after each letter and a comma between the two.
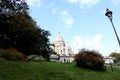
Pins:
x: 63, y: 50
x: 109, y: 60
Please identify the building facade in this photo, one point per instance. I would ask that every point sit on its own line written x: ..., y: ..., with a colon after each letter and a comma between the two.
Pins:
x: 109, y: 60
x: 63, y: 49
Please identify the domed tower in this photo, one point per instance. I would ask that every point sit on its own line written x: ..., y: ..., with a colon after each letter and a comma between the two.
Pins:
x: 59, y: 40
x: 59, y: 44
x: 68, y: 49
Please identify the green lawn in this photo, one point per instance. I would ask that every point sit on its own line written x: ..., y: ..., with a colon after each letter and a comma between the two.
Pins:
x: 52, y: 71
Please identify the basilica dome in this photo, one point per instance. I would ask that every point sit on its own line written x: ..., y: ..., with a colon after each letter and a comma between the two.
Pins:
x: 59, y: 38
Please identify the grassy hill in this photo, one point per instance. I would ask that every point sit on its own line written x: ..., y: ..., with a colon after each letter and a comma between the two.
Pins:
x: 52, y: 71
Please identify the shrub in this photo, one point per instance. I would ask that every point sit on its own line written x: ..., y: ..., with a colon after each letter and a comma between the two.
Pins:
x: 35, y: 58
x: 2, y: 59
x: 90, y: 60
x: 12, y: 54
x: 12, y: 50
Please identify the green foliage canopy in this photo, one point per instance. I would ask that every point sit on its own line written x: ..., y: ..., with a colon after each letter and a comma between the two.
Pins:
x: 116, y: 56
x: 20, y: 31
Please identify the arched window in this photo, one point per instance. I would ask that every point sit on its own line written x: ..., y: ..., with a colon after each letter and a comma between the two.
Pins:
x: 61, y: 51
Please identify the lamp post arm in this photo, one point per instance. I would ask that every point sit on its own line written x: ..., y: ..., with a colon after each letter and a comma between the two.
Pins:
x: 115, y: 31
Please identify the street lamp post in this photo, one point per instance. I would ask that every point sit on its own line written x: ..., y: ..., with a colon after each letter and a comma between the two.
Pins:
x: 109, y: 15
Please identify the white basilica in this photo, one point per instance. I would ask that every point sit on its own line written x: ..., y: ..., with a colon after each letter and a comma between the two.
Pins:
x: 63, y: 50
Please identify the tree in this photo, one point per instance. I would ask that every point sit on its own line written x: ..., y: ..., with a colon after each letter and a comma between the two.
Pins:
x: 20, y: 31
x: 113, y: 54
x: 12, y: 7
x: 116, y: 56
x: 9, y: 9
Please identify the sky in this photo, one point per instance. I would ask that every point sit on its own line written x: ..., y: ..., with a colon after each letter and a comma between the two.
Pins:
x: 82, y: 23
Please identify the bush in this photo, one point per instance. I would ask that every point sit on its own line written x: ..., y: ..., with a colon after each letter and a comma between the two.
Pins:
x: 2, y: 59
x: 90, y: 60
x: 12, y: 54
x: 35, y: 58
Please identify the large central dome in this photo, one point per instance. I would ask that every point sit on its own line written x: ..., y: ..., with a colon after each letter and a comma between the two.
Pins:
x: 59, y: 38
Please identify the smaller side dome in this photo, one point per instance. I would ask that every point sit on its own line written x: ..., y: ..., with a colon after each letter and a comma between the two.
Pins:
x: 68, y: 46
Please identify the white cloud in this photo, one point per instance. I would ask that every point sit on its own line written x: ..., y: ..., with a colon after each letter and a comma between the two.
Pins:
x: 36, y: 3
x: 68, y: 21
x: 87, y: 42
x: 78, y: 40
x: 96, y: 40
x: 84, y: 4
x: 55, y: 10
x: 87, y: 3
x: 66, y: 18
x: 116, y: 2
x: 63, y: 15
x: 73, y: 1
x: 51, y: 5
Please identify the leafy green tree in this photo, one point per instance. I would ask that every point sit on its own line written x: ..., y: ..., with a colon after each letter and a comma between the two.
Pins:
x: 20, y: 31
x: 116, y: 56
x: 9, y: 11
x: 113, y: 54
